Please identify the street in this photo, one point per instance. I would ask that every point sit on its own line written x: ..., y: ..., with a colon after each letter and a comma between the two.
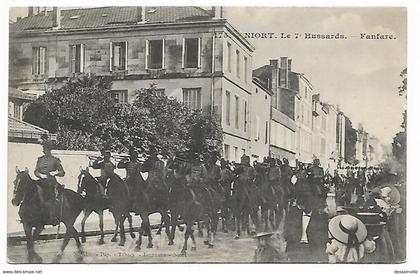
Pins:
x: 226, y: 250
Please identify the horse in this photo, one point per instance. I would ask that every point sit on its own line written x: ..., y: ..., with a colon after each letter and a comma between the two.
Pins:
x: 150, y: 196
x: 95, y: 203
x: 268, y: 198
x: 226, y: 183
x: 191, y: 205
x: 244, y: 203
x: 118, y: 193
x: 26, y: 194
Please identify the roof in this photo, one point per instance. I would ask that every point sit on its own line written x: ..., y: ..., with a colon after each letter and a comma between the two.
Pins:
x: 109, y: 16
x: 21, y: 129
x: 18, y: 94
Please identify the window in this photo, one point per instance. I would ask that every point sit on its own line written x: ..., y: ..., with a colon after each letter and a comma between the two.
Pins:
x: 120, y: 96
x: 227, y: 152
x: 228, y: 108
x: 77, y: 57
x: 245, y: 69
x: 17, y: 111
x: 245, y: 120
x: 191, y: 53
x: 235, y: 151
x: 118, y: 60
x: 306, y: 92
x: 155, y: 54
x: 236, y: 111
x: 192, y: 97
x: 229, y: 58
x: 238, y: 65
x: 266, y: 132
x: 38, y: 60
x: 257, y: 128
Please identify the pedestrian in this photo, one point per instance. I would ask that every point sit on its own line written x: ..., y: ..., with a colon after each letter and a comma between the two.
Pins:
x: 348, y: 241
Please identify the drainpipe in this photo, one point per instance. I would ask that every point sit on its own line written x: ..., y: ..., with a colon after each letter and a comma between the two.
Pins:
x: 212, y: 77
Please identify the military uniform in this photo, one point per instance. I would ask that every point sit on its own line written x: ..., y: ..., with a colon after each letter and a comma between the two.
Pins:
x: 44, y: 167
x: 132, y: 168
x: 107, y: 169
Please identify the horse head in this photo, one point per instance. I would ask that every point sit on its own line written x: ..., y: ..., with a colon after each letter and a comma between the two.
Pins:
x: 83, y: 179
x: 19, y: 186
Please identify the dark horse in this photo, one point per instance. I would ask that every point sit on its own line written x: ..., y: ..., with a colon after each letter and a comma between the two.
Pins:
x: 183, y: 202
x: 33, y: 214
x: 245, y: 199
x: 150, y: 196
x: 119, y: 196
x: 95, y: 203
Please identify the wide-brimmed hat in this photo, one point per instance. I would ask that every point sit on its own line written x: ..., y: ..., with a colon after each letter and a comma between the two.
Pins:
x: 348, y: 230
x: 392, y: 193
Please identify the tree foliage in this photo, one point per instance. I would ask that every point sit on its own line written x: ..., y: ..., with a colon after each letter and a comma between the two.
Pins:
x: 84, y: 116
x: 399, y: 144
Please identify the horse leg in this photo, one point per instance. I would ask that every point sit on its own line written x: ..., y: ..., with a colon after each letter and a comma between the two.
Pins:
x: 139, y: 241
x: 114, y: 237
x: 264, y: 215
x: 87, y: 213
x: 207, y: 225
x: 37, y: 232
x: 213, y: 228
x: 75, y: 235
x: 166, y: 221
x: 101, y: 227
x: 174, y: 223
x: 186, y: 236
x: 122, y: 233
x: 146, y: 224
x: 162, y: 222
x: 66, y: 240
x: 29, y: 242
x: 130, y: 224
x: 193, y: 246
x: 238, y: 225
x: 200, y: 229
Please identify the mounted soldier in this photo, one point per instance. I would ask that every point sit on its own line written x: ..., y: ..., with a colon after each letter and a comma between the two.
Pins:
x: 274, y: 177
x: 107, y: 169
x: 47, y: 168
x: 214, y: 173
x: 156, y: 173
x: 196, y: 176
x: 316, y: 179
x: 132, y: 166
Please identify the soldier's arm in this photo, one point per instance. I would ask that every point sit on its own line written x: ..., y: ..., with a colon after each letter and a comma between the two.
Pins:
x: 122, y: 164
x: 98, y: 164
x: 60, y: 169
x: 37, y: 172
x: 109, y: 168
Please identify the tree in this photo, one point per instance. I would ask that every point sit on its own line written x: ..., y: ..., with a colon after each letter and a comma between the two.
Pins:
x: 399, y: 144
x: 75, y: 111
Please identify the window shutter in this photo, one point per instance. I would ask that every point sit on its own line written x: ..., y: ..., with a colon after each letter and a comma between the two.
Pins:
x: 42, y: 60
x: 183, y: 53
x: 110, y: 56
x: 147, y: 55
x: 199, y: 53
x: 163, y: 53
x: 82, y: 58
x: 34, y: 61
x: 126, y: 56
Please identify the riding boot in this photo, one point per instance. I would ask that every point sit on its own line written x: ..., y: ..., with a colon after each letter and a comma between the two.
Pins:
x: 52, y: 216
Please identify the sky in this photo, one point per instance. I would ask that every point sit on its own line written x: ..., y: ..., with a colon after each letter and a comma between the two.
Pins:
x: 361, y: 76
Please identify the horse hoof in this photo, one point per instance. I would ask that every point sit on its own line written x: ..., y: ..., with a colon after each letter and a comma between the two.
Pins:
x: 171, y: 242
x: 158, y: 232
x: 114, y: 240
x: 183, y: 253
x: 206, y: 242
x: 211, y: 245
x: 150, y: 245
x: 83, y: 240
x: 122, y: 243
x: 236, y: 237
x: 193, y: 248
x: 137, y: 248
x: 132, y: 235
x: 101, y: 241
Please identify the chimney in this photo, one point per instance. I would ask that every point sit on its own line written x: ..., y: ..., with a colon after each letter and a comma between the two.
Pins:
x: 141, y: 14
x: 30, y: 11
x: 284, y: 72
x: 56, y: 17
x: 289, y: 65
x: 217, y: 12
x: 274, y: 85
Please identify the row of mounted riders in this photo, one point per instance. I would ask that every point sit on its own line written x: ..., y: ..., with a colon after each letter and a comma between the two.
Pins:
x: 184, y: 190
